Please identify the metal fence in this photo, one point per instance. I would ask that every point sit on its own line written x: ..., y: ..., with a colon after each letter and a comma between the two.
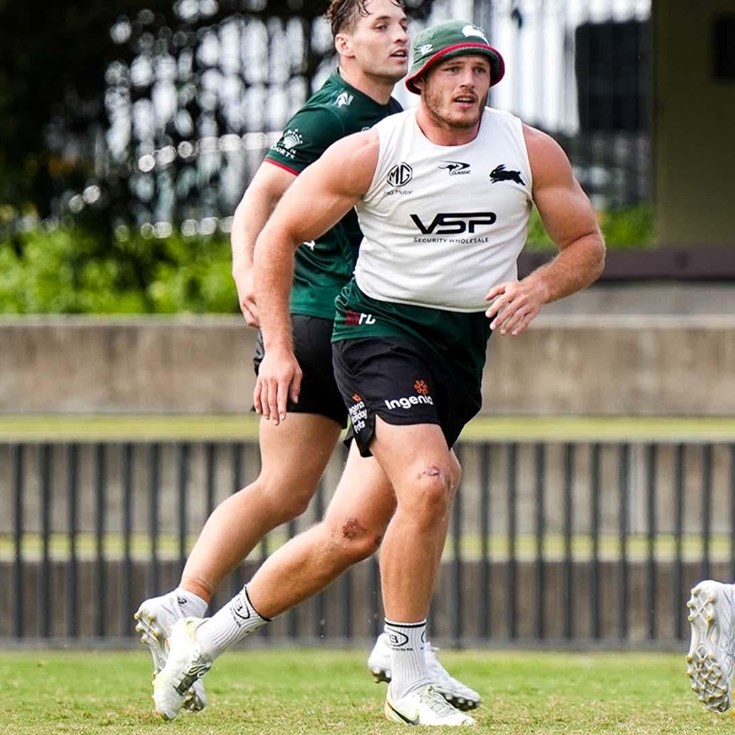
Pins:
x: 550, y: 543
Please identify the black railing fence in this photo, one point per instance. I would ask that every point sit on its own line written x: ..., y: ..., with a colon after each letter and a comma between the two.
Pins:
x: 550, y: 543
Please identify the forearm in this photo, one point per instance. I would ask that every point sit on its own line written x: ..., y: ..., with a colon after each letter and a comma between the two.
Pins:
x: 273, y: 270
x: 575, y: 267
x: 249, y: 219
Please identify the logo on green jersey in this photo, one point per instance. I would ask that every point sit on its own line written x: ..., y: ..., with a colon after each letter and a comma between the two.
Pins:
x: 344, y: 99
x: 292, y: 138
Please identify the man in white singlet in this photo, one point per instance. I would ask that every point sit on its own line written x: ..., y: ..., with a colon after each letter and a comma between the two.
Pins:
x: 443, y: 194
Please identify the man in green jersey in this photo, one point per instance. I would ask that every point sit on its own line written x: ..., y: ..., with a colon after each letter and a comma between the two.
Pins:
x: 371, y: 40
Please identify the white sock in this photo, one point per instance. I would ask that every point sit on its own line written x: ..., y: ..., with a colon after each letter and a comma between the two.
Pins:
x: 408, y: 660
x: 192, y: 605
x: 230, y: 624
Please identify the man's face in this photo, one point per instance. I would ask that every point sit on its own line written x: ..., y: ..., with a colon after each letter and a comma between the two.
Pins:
x: 455, y: 91
x: 378, y: 42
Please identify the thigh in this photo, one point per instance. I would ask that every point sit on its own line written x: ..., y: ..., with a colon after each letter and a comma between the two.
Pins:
x: 406, y: 453
x: 394, y: 380
x: 313, y: 348
x: 295, y: 452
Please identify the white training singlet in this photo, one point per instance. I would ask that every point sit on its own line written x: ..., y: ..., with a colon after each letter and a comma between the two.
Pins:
x: 443, y: 224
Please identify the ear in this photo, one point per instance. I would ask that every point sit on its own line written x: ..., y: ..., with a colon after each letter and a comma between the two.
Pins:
x: 342, y: 45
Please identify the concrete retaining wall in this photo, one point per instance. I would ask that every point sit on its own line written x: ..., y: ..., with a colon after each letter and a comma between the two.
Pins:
x: 567, y: 363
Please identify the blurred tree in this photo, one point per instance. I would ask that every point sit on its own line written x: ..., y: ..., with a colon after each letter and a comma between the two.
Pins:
x: 133, y: 113
x: 52, y: 79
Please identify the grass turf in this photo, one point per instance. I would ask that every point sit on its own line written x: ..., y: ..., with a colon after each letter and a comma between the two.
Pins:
x: 245, y: 427
x: 285, y: 691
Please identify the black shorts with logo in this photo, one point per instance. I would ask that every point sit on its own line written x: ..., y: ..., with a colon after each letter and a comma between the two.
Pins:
x: 313, y: 348
x: 404, y: 384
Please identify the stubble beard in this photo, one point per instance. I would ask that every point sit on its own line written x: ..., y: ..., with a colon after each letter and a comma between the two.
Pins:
x: 434, y: 104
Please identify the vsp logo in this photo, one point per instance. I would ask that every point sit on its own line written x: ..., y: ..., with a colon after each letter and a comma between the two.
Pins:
x: 454, y: 223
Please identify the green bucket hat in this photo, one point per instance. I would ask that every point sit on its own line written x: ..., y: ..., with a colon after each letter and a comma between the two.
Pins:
x: 451, y: 38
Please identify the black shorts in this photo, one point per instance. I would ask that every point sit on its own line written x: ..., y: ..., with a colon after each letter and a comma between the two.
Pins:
x: 313, y: 348
x: 402, y: 383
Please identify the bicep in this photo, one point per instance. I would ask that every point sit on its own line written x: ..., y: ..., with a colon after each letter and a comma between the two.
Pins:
x: 565, y: 210
x: 326, y: 190
x: 266, y: 188
x: 259, y: 200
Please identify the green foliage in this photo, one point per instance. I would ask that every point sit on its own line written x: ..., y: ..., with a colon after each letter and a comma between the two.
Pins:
x: 70, y: 271
x: 63, y: 272
x: 629, y: 229
x: 626, y: 229
x: 195, y: 277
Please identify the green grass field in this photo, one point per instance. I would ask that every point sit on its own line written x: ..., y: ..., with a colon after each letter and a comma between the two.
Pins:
x: 288, y: 692
x: 520, y: 428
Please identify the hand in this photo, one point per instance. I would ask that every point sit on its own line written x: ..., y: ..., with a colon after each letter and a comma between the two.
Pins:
x: 514, y: 305
x: 246, y: 295
x: 279, y: 378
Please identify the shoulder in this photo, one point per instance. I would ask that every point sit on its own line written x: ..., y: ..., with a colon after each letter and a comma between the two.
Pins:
x: 350, y: 163
x: 322, y: 107
x: 316, y: 114
x: 542, y: 146
x: 357, y: 148
x: 546, y: 156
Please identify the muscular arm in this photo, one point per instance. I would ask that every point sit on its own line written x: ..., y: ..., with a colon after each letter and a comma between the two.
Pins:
x: 259, y: 200
x: 571, y: 223
x: 318, y: 199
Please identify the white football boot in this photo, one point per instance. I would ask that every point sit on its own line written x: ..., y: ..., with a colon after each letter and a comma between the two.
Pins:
x: 185, y: 665
x: 453, y: 690
x: 712, y: 650
x: 425, y: 706
x: 154, y: 619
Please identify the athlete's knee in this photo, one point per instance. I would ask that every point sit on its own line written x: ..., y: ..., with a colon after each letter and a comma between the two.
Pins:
x: 352, y: 540
x: 281, y: 498
x: 455, y: 475
x: 432, y: 489
x: 295, y: 504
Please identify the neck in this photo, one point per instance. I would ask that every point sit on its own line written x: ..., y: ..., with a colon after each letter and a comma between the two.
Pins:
x: 378, y: 89
x: 441, y: 133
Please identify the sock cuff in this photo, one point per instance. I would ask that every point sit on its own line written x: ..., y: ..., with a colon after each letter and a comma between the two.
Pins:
x: 252, y: 607
x: 405, y: 625
x: 190, y: 602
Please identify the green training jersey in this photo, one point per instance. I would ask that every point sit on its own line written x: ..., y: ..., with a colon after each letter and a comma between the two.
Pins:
x: 324, y: 266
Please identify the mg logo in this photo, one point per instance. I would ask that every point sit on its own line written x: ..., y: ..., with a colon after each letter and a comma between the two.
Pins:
x: 400, y: 174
